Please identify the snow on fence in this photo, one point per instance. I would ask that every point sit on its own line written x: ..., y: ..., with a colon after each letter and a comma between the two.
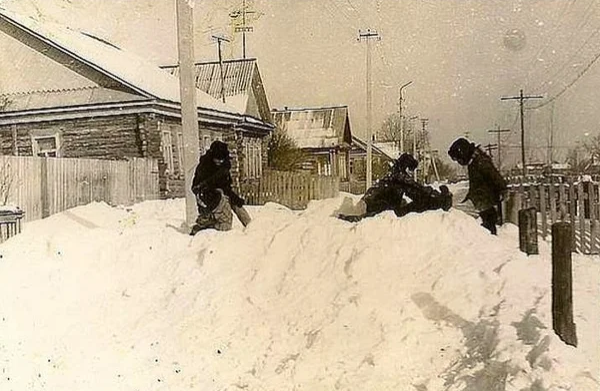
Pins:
x: 577, y: 203
x: 292, y: 189
x: 44, y: 186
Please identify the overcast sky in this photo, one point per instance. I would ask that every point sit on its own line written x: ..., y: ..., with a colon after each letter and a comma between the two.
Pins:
x: 462, y: 56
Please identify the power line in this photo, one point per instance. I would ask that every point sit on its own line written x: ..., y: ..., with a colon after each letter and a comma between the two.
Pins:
x: 569, y: 60
x: 583, y: 71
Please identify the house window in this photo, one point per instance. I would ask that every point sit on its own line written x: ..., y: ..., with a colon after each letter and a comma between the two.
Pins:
x: 167, y: 150
x: 46, y: 146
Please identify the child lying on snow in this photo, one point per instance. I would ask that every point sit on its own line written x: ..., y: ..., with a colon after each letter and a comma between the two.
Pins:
x: 388, y: 193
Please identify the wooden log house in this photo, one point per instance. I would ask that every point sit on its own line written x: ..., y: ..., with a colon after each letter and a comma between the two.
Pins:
x: 72, y: 94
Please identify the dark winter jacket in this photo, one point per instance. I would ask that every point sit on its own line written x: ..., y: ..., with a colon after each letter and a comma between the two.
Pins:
x: 210, y: 176
x: 389, y: 192
x: 486, y: 184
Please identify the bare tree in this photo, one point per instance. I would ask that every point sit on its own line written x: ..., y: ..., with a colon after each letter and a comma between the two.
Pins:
x: 283, y: 154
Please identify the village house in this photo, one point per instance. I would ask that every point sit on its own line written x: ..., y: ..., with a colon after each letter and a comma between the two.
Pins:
x: 73, y: 94
x: 238, y: 84
x: 324, y: 133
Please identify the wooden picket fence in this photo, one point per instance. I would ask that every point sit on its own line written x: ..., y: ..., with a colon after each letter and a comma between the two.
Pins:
x: 353, y: 187
x: 577, y: 203
x: 292, y: 189
x: 44, y: 186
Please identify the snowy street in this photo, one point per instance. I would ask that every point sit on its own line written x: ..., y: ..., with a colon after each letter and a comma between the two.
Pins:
x: 100, y: 298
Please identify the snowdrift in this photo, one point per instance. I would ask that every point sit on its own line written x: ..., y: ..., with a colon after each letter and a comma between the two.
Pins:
x: 102, y: 298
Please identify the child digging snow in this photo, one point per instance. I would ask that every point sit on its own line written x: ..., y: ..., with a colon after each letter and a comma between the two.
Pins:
x: 215, y: 198
x: 486, y: 185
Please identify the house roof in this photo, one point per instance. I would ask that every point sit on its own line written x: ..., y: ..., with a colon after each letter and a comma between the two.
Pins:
x: 31, y: 100
x: 240, y: 76
x: 237, y: 76
x: 97, y: 55
x: 362, y: 144
x: 318, y: 127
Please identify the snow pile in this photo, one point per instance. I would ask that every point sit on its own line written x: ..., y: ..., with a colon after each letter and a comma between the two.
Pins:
x: 100, y: 298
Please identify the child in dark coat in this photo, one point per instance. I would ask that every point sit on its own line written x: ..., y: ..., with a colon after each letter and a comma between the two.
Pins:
x: 388, y: 193
x: 214, y: 194
x: 486, y: 184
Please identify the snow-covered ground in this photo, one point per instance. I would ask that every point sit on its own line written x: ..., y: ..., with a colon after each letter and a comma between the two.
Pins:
x: 103, y: 298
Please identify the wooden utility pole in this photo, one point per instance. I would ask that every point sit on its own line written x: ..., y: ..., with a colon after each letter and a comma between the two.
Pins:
x: 219, y: 39
x: 189, y: 108
x: 400, y: 98
x: 551, y: 140
x: 367, y: 36
x: 521, y: 98
x: 499, y: 144
x: 415, y: 145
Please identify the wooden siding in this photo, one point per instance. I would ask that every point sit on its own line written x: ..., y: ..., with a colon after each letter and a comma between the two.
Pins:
x: 44, y: 186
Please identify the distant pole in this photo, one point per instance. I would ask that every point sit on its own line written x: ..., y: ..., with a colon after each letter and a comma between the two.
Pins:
x: 499, y: 144
x: 219, y: 39
x: 522, y: 98
x: 243, y: 29
x: 401, y: 146
x: 551, y: 141
x: 417, y: 152
x: 414, y: 151
x: 189, y: 109
x: 367, y: 36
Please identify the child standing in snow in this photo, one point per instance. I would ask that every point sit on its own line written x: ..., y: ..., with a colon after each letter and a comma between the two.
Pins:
x: 486, y: 184
x: 212, y: 186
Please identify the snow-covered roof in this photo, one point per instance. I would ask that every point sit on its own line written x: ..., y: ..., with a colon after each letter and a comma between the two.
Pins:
x: 363, y: 145
x: 319, y: 127
x: 122, y: 66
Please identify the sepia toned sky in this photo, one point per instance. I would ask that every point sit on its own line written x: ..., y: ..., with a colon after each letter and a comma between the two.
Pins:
x: 461, y: 55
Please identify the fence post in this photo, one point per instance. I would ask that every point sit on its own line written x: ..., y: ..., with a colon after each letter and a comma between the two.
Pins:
x: 528, y: 242
x: 562, y: 284
x: 581, y: 216
x: 572, y: 210
x: 515, y: 207
x: 44, y: 188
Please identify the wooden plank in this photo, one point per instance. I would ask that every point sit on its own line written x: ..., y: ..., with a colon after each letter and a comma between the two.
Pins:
x: 593, y: 218
x: 581, y: 215
x: 562, y: 191
x: 543, y: 212
x: 572, y: 208
x: 533, y: 197
x: 552, y: 196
